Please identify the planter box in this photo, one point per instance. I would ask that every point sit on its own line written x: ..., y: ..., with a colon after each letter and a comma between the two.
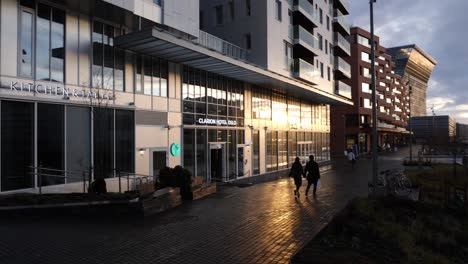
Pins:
x: 161, y: 200
x: 204, y: 190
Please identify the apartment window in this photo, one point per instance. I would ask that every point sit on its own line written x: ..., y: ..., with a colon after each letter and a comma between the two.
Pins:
x: 248, y: 41
x: 363, y: 41
x: 365, y: 88
x: 329, y: 73
x: 157, y: 2
x: 328, y: 23
x: 108, y: 62
x: 219, y: 14
x: 326, y: 46
x: 50, y: 44
x: 365, y: 57
x: 231, y: 10
x: 290, y: 16
x: 288, y: 54
x: 278, y: 9
x: 202, y: 20
x: 320, y: 41
x: 366, y: 72
x: 151, y: 76
x: 321, y: 15
x: 321, y: 69
x: 248, y: 7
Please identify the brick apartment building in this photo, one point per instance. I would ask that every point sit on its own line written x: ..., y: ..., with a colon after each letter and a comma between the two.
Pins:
x: 352, y: 124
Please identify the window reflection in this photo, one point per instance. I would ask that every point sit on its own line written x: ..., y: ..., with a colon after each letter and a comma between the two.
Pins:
x: 208, y: 95
x: 26, y: 43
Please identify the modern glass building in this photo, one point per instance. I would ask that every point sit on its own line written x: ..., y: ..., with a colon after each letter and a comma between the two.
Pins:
x: 97, y: 88
x: 416, y: 66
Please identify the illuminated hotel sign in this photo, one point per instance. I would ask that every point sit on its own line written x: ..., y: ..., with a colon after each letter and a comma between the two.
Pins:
x: 217, y: 122
x: 60, y: 91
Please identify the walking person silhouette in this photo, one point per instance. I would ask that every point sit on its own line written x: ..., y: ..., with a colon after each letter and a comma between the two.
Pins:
x: 312, y: 173
x: 296, y: 172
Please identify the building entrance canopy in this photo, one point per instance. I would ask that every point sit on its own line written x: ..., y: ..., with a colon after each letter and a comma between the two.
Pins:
x: 159, y: 43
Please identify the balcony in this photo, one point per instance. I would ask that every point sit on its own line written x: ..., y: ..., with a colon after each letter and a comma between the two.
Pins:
x: 343, y: 89
x: 343, y: 47
x: 306, y: 71
x: 342, y: 69
x: 342, y: 6
x: 214, y: 43
x: 341, y: 24
x: 304, y: 13
x: 304, y: 42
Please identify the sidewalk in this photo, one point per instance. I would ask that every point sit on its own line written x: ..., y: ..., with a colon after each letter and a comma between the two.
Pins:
x: 263, y: 223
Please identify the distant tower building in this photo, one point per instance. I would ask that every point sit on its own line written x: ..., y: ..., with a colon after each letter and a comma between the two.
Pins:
x: 415, y: 65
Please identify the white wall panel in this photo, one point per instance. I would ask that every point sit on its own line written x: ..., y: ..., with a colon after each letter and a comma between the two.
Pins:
x: 71, y: 49
x: 9, y: 37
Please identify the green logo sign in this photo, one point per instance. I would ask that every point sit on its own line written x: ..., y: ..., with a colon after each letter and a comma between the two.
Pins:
x: 175, y: 149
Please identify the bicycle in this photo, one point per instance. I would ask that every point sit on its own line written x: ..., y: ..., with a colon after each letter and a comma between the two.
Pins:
x: 399, y: 184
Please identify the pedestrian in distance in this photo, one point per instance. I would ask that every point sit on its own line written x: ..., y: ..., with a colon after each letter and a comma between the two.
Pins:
x: 296, y: 172
x: 351, y: 158
x: 312, y: 173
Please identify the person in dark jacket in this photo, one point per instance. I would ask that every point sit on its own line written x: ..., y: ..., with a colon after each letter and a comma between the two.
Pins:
x: 296, y: 172
x: 312, y: 173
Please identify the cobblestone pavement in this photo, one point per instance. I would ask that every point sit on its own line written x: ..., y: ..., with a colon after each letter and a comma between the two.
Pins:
x: 263, y: 223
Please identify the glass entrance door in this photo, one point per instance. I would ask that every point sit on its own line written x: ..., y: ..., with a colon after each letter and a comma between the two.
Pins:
x: 159, y: 162
x: 217, y: 162
x: 304, y: 149
x: 243, y: 167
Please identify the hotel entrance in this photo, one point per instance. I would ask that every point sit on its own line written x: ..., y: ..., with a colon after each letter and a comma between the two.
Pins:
x: 217, y: 162
x: 305, y: 149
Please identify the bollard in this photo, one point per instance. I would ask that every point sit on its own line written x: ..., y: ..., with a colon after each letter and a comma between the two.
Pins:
x: 84, y: 182
x: 120, y: 184
x: 39, y: 182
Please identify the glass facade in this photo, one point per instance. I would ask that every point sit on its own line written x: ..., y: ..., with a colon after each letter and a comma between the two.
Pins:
x: 17, y: 145
x: 151, y: 76
x: 63, y: 143
x: 108, y: 61
x: 230, y: 129
x: 212, y: 100
x: 50, y: 44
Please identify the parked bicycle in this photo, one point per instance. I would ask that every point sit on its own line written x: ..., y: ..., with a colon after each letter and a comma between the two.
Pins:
x: 398, y: 183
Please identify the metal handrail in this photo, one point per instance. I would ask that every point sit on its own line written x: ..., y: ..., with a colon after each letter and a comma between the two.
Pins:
x: 37, y: 171
x: 127, y: 175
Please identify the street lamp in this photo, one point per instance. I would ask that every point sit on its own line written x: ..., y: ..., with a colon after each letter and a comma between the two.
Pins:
x: 375, y: 169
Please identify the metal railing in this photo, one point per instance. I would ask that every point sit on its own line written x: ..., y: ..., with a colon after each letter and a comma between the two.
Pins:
x: 343, y: 43
x: 342, y: 66
x: 343, y: 21
x: 301, y: 34
x: 305, y: 70
x: 137, y: 180
x: 217, y: 44
x: 42, y: 174
x: 343, y: 89
x: 306, y: 8
x: 345, y: 3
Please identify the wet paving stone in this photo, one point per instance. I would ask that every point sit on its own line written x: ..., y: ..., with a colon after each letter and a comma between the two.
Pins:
x: 263, y: 223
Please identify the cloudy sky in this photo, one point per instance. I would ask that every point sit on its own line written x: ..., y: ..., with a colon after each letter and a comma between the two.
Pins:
x: 437, y: 26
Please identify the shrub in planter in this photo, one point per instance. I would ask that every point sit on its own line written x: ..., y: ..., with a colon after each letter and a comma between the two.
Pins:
x: 183, y: 179
x: 98, y: 186
x: 166, y: 178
